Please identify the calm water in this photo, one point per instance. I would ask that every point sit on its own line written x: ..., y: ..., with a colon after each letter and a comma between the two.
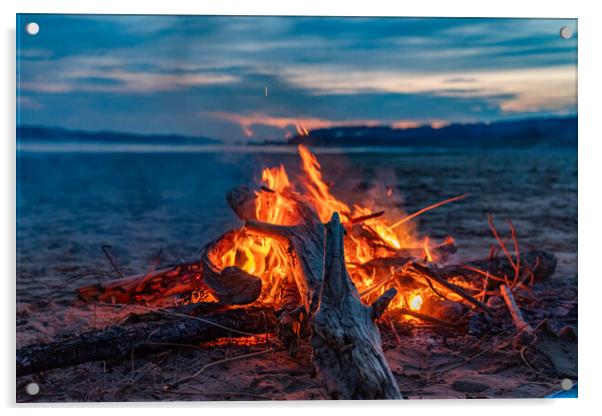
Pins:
x: 71, y: 202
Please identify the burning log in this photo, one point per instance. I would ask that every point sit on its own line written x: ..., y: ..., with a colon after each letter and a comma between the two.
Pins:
x: 230, y: 286
x: 118, y: 343
x: 146, y: 287
x: 381, y: 249
x: 304, y: 242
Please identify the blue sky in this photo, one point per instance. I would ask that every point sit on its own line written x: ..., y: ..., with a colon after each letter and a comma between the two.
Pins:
x: 207, y: 76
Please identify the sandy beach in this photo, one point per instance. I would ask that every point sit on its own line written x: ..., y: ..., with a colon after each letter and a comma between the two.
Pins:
x: 70, y: 204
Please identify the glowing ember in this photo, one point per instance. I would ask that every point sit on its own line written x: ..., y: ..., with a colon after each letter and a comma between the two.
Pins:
x: 415, y: 302
x: 249, y: 341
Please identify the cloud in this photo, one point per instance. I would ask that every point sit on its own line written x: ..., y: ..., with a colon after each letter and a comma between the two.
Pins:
x: 110, y: 74
x: 207, y: 74
x: 531, y: 89
x: 459, y: 79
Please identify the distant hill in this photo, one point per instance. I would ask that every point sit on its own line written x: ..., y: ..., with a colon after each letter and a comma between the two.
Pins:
x: 60, y: 135
x: 557, y: 131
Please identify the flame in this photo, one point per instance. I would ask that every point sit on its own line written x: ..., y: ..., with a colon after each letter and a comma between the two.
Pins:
x: 415, y: 302
x: 427, y: 251
x: 324, y: 202
x: 272, y: 207
x: 275, y: 178
x: 267, y: 258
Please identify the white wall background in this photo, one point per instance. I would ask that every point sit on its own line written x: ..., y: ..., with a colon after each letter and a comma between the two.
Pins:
x: 590, y: 200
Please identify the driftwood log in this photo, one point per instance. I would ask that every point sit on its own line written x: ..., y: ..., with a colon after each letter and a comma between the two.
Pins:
x: 346, y: 342
x: 119, y: 343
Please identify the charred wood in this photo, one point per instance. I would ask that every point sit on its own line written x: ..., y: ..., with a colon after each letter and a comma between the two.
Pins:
x: 122, y: 342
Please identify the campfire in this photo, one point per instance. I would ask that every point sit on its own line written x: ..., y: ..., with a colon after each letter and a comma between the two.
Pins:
x: 314, y: 268
x: 369, y: 237
x: 376, y: 249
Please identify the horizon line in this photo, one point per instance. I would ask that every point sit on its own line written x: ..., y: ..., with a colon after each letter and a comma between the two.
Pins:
x: 351, y: 125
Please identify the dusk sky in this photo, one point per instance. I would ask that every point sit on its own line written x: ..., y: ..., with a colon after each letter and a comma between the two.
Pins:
x: 207, y: 76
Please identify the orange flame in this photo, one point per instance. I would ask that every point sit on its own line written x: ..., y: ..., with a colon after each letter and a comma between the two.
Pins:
x: 266, y: 257
x: 427, y: 251
x: 324, y: 202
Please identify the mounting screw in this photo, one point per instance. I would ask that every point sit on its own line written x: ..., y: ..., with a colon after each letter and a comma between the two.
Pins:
x: 32, y: 389
x: 566, y: 384
x: 566, y: 32
x: 32, y: 28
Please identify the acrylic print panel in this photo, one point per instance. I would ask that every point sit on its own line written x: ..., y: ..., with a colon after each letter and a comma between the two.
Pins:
x: 295, y: 208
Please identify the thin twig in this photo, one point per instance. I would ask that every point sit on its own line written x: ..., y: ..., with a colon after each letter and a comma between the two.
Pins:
x: 435, y: 290
x: 384, y: 281
x: 423, y: 210
x: 515, y: 312
x: 524, y: 359
x: 427, y: 273
x: 363, y: 218
x: 487, y: 274
x: 499, y: 240
x: 516, y: 252
x: 105, y: 249
x: 485, y: 284
x: 150, y: 271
